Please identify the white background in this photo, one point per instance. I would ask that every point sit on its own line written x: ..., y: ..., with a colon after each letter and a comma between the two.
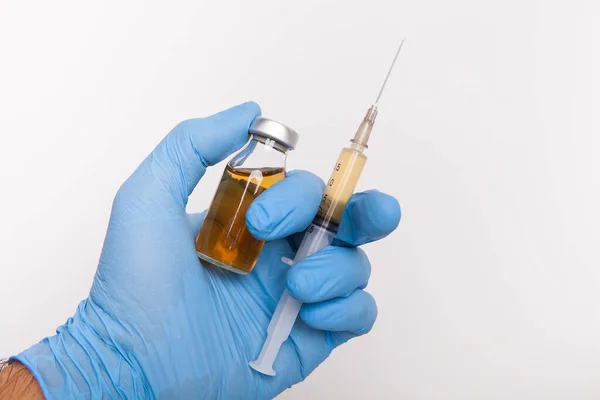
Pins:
x: 488, y: 134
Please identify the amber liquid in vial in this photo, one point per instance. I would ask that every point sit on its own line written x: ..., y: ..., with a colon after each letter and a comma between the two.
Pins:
x: 224, y: 239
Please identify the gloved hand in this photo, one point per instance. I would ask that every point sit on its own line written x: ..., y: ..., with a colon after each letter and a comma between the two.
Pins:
x: 158, y: 324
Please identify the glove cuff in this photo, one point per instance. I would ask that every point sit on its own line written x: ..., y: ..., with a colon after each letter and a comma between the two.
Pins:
x: 78, y: 363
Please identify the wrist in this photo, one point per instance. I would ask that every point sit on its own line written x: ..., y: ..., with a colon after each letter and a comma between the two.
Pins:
x: 17, y: 382
x: 78, y: 363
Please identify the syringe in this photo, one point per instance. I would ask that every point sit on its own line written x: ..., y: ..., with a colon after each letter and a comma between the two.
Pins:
x: 322, y: 230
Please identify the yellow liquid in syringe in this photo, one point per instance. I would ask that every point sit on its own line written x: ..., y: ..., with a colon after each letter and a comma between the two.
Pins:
x: 341, y: 185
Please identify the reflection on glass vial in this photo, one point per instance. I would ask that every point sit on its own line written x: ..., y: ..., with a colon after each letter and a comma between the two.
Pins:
x: 224, y: 239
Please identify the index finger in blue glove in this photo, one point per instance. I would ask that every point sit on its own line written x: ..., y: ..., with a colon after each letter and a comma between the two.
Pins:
x: 170, y: 173
x: 285, y: 208
x: 368, y: 216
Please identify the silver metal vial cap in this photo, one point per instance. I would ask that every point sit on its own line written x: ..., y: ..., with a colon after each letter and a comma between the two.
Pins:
x: 270, y: 129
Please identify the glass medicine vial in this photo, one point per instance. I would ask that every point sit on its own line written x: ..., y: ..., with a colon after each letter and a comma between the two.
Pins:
x: 224, y: 239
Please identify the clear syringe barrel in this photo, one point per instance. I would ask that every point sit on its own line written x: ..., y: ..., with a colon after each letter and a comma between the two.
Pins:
x: 318, y: 235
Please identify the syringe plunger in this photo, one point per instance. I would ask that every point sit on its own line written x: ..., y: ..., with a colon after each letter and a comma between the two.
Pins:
x: 288, y: 308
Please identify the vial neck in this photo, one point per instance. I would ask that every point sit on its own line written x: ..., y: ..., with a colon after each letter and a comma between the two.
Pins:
x: 260, y: 153
x: 270, y: 143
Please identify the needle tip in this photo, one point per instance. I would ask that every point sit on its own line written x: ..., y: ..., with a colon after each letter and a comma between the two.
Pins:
x: 389, y: 72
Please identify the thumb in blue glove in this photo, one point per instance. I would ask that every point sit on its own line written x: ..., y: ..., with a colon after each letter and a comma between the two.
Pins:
x: 158, y: 324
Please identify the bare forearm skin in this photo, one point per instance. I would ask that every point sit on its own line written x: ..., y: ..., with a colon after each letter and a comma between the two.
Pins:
x: 16, y: 382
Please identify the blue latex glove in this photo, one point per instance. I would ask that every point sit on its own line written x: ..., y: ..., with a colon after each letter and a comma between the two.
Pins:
x: 158, y: 324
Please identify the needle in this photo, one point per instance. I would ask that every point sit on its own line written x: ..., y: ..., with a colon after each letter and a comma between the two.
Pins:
x: 389, y: 72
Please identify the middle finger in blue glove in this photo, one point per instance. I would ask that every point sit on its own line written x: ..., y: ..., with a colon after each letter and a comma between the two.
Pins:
x: 355, y: 313
x: 330, y: 273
